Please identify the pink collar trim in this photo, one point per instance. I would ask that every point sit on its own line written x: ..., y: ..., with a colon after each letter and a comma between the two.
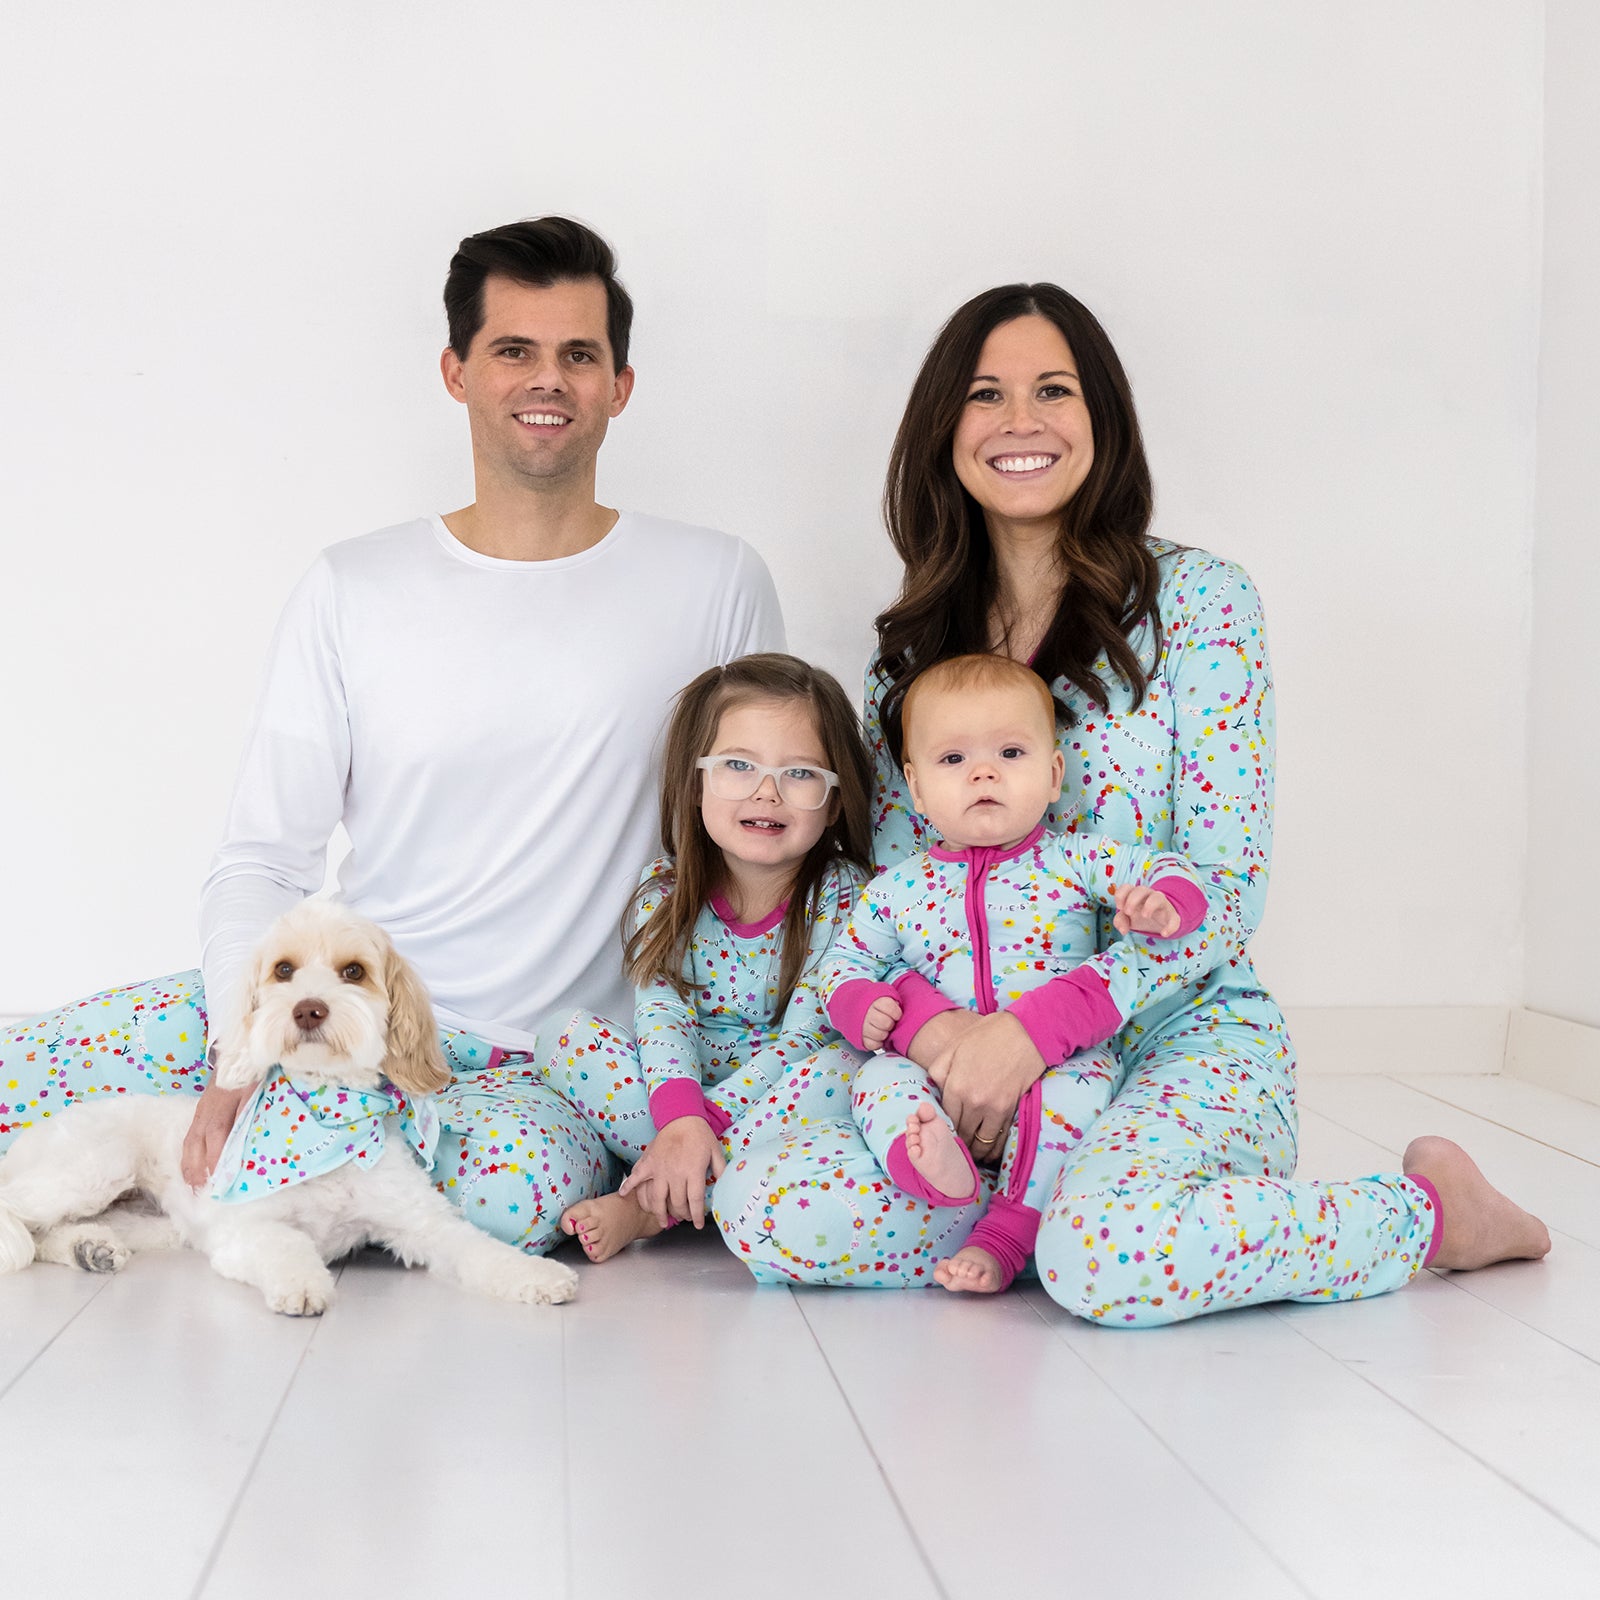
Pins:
x: 941, y: 852
x: 749, y: 930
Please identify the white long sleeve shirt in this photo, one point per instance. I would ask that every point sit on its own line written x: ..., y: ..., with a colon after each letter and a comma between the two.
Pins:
x: 488, y: 732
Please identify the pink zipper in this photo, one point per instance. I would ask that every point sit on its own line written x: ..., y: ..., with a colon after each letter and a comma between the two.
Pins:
x: 979, y: 862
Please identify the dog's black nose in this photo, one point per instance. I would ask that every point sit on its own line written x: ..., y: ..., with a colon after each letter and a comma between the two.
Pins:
x: 309, y: 1015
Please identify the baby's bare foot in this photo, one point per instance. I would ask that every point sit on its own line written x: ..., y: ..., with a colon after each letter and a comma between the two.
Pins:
x: 1481, y: 1225
x: 607, y: 1225
x: 934, y: 1151
x: 971, y: 1270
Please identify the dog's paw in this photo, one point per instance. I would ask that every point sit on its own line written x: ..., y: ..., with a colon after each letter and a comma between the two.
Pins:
x: 308, y: 1297
x: 104, y: 1254
x: 88, y: 1246
x: 529, y: 1280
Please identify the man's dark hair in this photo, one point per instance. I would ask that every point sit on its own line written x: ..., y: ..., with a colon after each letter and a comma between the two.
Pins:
x: 538, y: 251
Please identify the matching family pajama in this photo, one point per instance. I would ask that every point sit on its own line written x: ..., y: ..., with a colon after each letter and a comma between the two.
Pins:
x: 725, y: 1053
x: 482, y: 729
x: 512, y: 1155
x: 1180, y: 1198
x: 1011, y: 930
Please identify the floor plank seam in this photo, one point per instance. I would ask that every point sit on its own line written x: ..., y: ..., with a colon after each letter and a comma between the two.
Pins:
x: 17, y: 1376
x: 1031, y: 1295
x: 1463, y: 1282
x: 1355, y: 1370
x: 861, y: 1433
x: 1495, y: 1122
x: 209, y: 1566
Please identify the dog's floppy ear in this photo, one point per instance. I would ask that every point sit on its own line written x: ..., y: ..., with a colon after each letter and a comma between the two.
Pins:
x: 415, y: 1062
x: 232, y: 1060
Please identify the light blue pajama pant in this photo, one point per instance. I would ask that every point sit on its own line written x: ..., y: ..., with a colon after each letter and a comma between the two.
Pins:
x: 1073, y: 1095
x: 1179, y: 1199
x: 513, y: 1155
x: 594, y: 1065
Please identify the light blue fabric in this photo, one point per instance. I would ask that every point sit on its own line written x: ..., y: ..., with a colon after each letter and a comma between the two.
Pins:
x: 1178, y: 1200
x: 512, y: 1154
x: 285, y: 1134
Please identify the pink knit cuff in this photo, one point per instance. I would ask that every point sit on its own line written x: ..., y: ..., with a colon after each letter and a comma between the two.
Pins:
x: 849, y: 1004
x: 1007, y: 1230
x: 681, y: 1097
x: 920, y: 1002
x: 1426, y: 1186
x: 1188, y: 900
x: 905, y: 1176
x: 1067, y: 1014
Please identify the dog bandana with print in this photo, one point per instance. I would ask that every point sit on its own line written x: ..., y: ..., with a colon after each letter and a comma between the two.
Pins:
x: 287, y: 1134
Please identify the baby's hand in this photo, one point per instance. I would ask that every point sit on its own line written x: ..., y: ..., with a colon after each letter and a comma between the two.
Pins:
x: 879, y: 1022
x: 1144, y: 910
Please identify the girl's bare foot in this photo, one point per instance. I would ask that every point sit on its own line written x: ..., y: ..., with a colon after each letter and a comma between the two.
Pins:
x: 932, y: 1149
x: 1480, y: 1224
x: 971, y: 1270
x: 607, y: 1225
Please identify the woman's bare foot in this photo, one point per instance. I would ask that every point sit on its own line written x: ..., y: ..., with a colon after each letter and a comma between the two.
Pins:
x: 971, y: 1270
x: 607, y: 1225
x: 1480, y: 1224
x: 933, y: 1150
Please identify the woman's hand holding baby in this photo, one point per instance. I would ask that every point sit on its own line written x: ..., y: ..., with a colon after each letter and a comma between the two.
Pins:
x: 1144, y: 910
x: 669, y: 1179
x: 982, y: 1076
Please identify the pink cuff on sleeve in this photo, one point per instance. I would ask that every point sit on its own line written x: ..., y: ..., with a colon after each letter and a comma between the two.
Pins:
x: 849, y: 1004
x: 1188, y: 900
x: 1067, y: 1014
x: 920, y: 1002
x: 681, y: 1097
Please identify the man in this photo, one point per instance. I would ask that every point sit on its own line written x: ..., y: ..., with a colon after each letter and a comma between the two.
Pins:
x: 476, y: 697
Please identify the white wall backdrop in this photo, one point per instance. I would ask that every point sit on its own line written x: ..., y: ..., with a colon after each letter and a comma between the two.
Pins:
x: 1563, y: 947
x: 1313, y: 231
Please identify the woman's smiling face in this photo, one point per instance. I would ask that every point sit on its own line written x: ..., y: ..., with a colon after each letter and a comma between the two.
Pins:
x: 1023, y: 444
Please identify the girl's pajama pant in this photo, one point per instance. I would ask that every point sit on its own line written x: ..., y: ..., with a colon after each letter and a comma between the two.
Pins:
x: 512, y: 1154
x: 1048, y: 1127
x: 594, y: 1064
x: 1179, y: 1199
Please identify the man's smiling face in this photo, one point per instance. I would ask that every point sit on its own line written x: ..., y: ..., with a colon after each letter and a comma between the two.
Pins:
x: 537, y: 380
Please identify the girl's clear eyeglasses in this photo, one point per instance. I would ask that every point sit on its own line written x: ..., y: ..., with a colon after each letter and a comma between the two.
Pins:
x: 734, y: 778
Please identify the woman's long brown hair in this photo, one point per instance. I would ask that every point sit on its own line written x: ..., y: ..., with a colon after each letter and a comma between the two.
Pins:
x: 658, y: 948
x: 946, y: 602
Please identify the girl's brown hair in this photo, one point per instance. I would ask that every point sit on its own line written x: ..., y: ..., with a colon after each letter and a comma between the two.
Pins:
x: 658, y: 947
x: 947, y: 597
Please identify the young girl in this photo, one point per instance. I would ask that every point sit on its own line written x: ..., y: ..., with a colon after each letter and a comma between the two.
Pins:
x: 764, y: 813
x: 1003, y: 918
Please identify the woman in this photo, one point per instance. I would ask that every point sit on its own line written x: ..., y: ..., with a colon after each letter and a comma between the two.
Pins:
x: 1019, y: 499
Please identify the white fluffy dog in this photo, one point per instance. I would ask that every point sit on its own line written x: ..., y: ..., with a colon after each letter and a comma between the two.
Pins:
x: 332, y: 1002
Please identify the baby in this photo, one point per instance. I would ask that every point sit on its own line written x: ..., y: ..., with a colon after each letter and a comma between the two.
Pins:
x: 1003, y: 918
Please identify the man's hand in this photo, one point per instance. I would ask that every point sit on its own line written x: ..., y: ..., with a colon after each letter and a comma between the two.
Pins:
x: 208, y: 1132
x: 987, y: 1071
x: 879, y: 1022
x: 669, y: 1179
x: 1144, y: 910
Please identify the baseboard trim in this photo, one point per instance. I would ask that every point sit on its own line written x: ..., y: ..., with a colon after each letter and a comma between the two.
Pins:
x: 1399, y: 1039
x: 1555, y: 1054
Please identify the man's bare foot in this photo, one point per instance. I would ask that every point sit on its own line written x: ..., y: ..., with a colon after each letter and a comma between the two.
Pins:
x: 934, y: 1151
x: 971, y: 1270
x: 1480, y: 1224
x: 607, y: 1225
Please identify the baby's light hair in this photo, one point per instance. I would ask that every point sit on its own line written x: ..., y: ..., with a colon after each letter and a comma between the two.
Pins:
x: 958, y: 674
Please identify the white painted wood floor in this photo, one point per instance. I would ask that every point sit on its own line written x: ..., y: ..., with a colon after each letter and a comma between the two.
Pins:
x: 679, y: 1432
